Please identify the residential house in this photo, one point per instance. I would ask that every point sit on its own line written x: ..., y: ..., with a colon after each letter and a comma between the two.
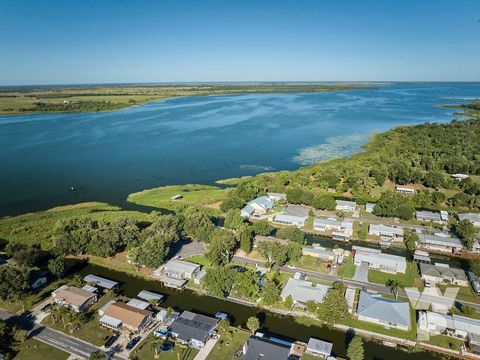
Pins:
x: 139, y: 304
x: 118, y: 315
x: 379, y: 261
x: 319, y: 348
x: 383, y: 311
x: 259, y: 346
x: 36, y: 279
x: 100, y: 282
x: 193, y: 329
x: 459, y: 176
x: 404, y: 190
x: 435, y: 216
x: 302, y: 291
x: 438, y: 273
x: 344, y: 205
x: 257, y: 207
x: 474, y: 218
x: 451, y: 325
x: 176, y: 273
x: 440, y: 242
x: 420, y: 257
x: 198, y: 278
x: 150, y: 296
x: 91, y: 289
x: 293, y: 215
x: 319, y: 252
x: 369, y: 207
x: 389, y: 233
x: 331, y: 224
x: 73, y: 298
x: 277, y: 196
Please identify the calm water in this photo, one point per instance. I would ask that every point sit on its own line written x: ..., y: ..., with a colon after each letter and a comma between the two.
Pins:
x: 280, y: 325
x: 106, y: 156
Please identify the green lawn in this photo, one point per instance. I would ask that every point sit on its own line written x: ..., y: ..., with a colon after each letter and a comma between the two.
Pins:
x: 311, y: 263
x: 347, y: 269
x: 405, y: 280
x: 228, y: 344
x: 39, y: 227
x: 145, y: 351
x: 33, y: 349
x: 208, y: 196
x: 198, y: 259
x: 464, y: 293
x: 446, y: 342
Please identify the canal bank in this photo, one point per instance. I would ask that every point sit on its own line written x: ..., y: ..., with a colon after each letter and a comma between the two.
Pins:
x: 282, y: 325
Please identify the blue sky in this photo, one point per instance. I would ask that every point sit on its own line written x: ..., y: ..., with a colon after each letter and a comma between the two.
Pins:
x: 57, y: 42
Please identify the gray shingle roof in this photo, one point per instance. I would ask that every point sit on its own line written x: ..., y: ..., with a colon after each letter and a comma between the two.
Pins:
x: 389, y: 310
x: 319, y: 346
x: 265, y: 349
x: 193, y: 326
x: 442, y: 272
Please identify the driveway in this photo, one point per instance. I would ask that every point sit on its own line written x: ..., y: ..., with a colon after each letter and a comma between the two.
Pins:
x: 361, y: 273
x: 185, y: 248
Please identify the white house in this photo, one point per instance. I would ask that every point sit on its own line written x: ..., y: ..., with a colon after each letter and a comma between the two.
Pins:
x: 386, y: 232
x: 319, y: 348
x: 257, y: 207
x: 440, y: 242
x: 176, y: 273
x: 474, y: 218
x: 387, y: 312
x: 440, y: 217
x: 344, y: 205
x: 277, y: 196
x: 451, y: 325
x: 284, y: 219
x: 459, y: 176
x: 331, y: 224
x: 318, y: 252
x: 404, y: 190
x: 369, y: 207
x: 379, y: 261
x: 302, y: 291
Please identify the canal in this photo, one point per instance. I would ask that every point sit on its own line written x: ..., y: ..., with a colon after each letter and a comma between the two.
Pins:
x: 285, y: 326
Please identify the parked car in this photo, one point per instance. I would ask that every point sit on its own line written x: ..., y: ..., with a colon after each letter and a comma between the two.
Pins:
x: 111, y: 340
x: 46, y: 308
x: 131, y: 344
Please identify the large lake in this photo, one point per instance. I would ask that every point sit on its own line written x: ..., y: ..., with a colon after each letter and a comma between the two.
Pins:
x: 106, y: 156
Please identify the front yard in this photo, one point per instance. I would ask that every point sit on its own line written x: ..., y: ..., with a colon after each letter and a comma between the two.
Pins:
x: 146, y: 350
x: 32, y: 349
x: 228, y: 344
x: 409, y: 279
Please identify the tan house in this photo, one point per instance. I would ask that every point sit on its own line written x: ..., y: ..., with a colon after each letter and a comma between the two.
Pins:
x: 120, y: 314
x: 74, y: 298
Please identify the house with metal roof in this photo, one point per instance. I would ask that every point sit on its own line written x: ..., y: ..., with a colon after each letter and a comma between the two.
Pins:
x: 73, y: 298
x: 302, y: 291
x: 438, y: 273
x: 474, y: 282
x: 451, y: 325
x: 118, y: 315
x: 386, y: 232
x: 193, y: 329
x: 257, y: 207
x: 277, y: 196
x: 331, y: 224
x: 284, y: 219
x: 344, y: 205
x: 383, y: 311
x: 435, y: 216
x: 404, y: 190
x: 149, y: 296
x: 474, y: 218
x: 318, y: 252
x: 319, y: 348
x: 139, y: 304
x: 100, y: 281
x: 176, y: 273
x: 262, y: 347
x: 440, y: 242
x: 379, y: 261
x: 369, y: 207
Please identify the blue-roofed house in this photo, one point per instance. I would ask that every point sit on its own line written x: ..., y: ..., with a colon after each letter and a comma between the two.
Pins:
x: 257, y: 207
x: 379, y: 310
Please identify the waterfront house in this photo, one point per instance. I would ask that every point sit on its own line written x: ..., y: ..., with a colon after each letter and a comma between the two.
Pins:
x: 440, y: 217
x: 198, y: 278
x: 302, y: 291
x: 440, y: 242
x: 193, y: 329
x: 420, y: 257
x: 404, y: 190
x: 277, y: 196
x: 176, y: 273
x: 383, y: 311
x: 257, y: 207
x: 73, y: 298
x: 100, y: 282
x: 331, y: 224
x: 388, y: 233
x: 118, y: 315
x: 438, y: 273
x: 379, y: 261
x: 150, y: 296
x: 319, y: 348
x: 318, y: 252
x: 474, y: 218
x: 139, y: 304
x: 343, y: 205
x: 284, y: 219
x: 451, y: 325
x: 259, y: 346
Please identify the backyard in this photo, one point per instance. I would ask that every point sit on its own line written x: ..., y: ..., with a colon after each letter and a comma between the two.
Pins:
x: 228, y: 344
x: 146, y: 350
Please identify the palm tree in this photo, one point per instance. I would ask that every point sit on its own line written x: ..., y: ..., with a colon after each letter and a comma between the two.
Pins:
x: 155, y: 345
x: 55, y: 314
x: 393, y: 285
